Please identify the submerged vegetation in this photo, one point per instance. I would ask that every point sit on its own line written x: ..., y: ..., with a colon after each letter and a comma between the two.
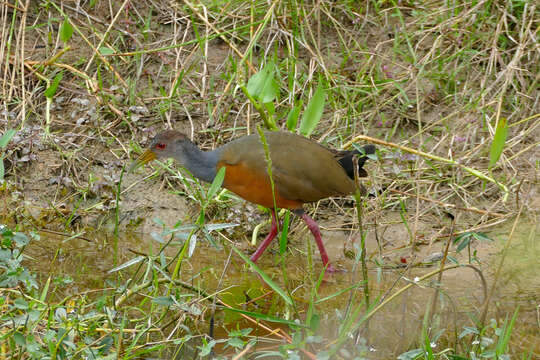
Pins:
x: 439, y: 256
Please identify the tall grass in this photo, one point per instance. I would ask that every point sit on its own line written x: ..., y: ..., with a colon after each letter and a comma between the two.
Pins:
x: 448, y: 91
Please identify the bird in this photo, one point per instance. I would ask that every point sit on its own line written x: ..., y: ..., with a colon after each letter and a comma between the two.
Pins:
x: 303, y: 171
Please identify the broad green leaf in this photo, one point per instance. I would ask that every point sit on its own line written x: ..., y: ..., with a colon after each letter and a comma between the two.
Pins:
x: 464, y: 239
x: 411, y: 354
x: 481, y: 236
x: 270, y: 108
x: 265, y: 277
x: 219, y: 226
x: 192, y: 245
x: 21, y: 304
x: 106, y: 51
x: 314, y: 322
x: 270, y: 91
x: 463, y: 244
x: 468, y: 330
x: 19, y: 339
x: 5, y: 139
x: 158, y: 237
x: 51, y: 90
x: 313, y: 113
x: 257, y: 81
x: 163, y: 300
x: 66, y: 31
x: 499, y: 139
x: 294, y: 114
x: 235, y: 342
x: 128, y: 263
x: 262, y: 85
x: 207, y: 348
x: 216, y: 184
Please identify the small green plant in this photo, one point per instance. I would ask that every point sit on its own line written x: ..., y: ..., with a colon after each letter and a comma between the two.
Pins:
x: 13, y: 273
x: 4, y: 141
x: 262, y: 90
x: 464, y: 241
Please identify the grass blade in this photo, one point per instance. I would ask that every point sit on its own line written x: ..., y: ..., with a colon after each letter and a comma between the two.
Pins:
x: 216, y: 184
x: 266, y: 317
x: 499, y: 139
x: 294, y: 114
x: 314, y: 110
x: 265, y: 277
x: 5, y: 139
x: 51, y: 90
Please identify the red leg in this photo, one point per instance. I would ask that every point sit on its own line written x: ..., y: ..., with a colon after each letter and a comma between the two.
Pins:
x: 314, y: 228
x: 271, y: 235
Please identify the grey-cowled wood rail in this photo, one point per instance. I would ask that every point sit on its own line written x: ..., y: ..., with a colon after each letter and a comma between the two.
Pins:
x: 303, y: 171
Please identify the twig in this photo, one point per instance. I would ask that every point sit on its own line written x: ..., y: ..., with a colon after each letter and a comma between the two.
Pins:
x: 472, y: 171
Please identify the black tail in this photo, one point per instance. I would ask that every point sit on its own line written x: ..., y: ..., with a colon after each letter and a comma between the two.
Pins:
x: 346, y: 160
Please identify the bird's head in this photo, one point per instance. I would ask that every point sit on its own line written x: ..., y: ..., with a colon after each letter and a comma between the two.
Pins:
x: 167, y: 144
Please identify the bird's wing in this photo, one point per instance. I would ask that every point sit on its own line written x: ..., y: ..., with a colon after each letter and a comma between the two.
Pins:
x: 302, y: 169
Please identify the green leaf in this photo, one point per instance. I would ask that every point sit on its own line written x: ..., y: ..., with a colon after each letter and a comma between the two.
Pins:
x: 270, y: 108
x: 262, y: 85
x: 4, y: 140
x: 66, y: 31
x: 266, y: 317
x: 469, y: 330
x: 21, y: 304
x: 19, y: 339
x: 236, y: 343
x: 411, y: 354
x: 499, y: 139
x: 265, y: 277
x: 207, y: 348
x: 6, y: 137
x: 20, y: 239
x: 216, y: 184
x: 464, y: 239
x: 106, y: 51
x: 219, y: 226
x: 294, y: 114
x: 51, y: 90
x: 482, y: 237
x: 461, y: 237
x: 163, y: 300
x: 463, y: 244
x: 313, y: 113
x: 314, y: 322
x: 43, y: 295
x: 270, y: 91
x: 128, y: 263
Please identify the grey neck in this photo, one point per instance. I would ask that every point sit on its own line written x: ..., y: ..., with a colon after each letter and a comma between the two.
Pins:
x: 202, y: 164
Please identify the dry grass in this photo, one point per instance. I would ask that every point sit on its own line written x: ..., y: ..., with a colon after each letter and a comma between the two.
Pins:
x: 428, y: 82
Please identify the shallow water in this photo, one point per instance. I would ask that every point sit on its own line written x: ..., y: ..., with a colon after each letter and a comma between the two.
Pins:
x: 392, y: 330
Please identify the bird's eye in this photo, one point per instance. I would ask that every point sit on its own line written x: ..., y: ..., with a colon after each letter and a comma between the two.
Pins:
x: 160, y: 146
